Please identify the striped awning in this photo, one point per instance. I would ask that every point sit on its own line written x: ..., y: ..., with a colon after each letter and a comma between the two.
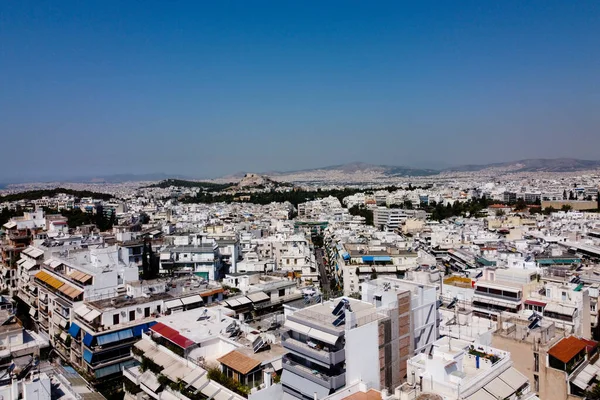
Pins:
x: 49, y: 279
x: 80, y: 276
x: 70, y: 291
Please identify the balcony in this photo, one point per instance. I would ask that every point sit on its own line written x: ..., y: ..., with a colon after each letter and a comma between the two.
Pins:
x: 330, y: 382
x: 497, y: 296
x: 322, y: 355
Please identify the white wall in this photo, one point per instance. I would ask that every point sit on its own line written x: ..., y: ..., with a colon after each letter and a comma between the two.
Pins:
x: 362, y: 355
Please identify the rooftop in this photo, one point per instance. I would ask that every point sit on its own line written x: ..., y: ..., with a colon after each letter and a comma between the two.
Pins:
x: 321, y: 314
x: 239, y: 362
x: 568, y: 348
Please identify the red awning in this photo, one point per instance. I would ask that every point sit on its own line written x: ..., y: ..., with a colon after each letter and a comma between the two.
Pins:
x: 164, y: 330
x: 535, y: 303
x: 172, y: 335
x: 181, y: 341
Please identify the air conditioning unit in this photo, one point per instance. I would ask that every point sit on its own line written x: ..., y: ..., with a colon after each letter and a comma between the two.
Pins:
x: 123, y: 314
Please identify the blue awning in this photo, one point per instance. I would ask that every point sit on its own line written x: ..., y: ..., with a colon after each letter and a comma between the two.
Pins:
x: 115, y: 337
x: 367, y: 258
x: 125, y: 334
x: 87, y: 339
x: 346, y: 256
x: 137, y: 330
x: 74, y: 329
x: 382, y: 258
x: 87, y: 355
x: 108, y: 338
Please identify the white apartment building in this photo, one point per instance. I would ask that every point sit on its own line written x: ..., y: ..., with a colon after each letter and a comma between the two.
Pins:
x: 344, y: 341
x: 456, y: 369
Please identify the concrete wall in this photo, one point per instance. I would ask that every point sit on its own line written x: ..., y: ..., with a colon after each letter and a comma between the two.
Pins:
x: 552, y: 383
x: 575, y: 205
x: 362, y: 355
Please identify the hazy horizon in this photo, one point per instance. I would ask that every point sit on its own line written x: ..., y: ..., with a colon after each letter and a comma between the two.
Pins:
x: 209, y: 89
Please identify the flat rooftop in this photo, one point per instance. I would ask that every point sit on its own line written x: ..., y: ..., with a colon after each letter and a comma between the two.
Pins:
x: 190, y: 324
x: 321, y: 314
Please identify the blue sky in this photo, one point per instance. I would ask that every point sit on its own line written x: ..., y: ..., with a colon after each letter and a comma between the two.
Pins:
x: 209, y: 88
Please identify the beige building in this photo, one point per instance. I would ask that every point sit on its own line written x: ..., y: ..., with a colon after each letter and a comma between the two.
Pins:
x: 537, y: 350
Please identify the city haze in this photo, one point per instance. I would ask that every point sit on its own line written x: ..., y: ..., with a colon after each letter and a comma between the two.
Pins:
x: 206, y: 90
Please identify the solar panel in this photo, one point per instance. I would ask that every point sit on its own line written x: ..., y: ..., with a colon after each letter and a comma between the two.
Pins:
x: 258, y: 344
x: 532, y: 316
x: 339, y: 309
x: 452, y: 303
x: 341, y: 320
x: 534, y: 324
x: 231, y: 327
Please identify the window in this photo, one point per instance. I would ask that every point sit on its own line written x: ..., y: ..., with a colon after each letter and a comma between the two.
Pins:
x: 158, y: 308
x: 564, y: 296
x: 115, y: 319
x: 536, y: 383
x: 147, y: 312
x: 132, y: 315
x: 281, y: 292
x: 536, y: 362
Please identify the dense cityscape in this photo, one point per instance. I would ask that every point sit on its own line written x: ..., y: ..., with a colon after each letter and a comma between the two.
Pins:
x: 299, y: 200
x: 469, y: 285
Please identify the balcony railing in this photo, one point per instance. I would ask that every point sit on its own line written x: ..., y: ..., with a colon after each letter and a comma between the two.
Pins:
x: 330, y: 382
x: 497, y: 296
x: 323, y: 355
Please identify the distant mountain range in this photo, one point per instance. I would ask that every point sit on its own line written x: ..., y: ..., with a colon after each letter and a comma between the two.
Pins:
x: 529, y: 165
x: 352, y: 169
x: 535, y: 165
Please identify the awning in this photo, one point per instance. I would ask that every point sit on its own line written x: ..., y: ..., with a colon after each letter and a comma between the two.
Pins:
x: 49, y: 279
x: 535, y: 303
x: 173, y: 303
x: 137, y: 330
x: 164, y: 359
x: 257, y: 297
x: 499, y: 388
x: 10, y: 225
x: 28, y: 264
x: 176, y: 371
x: 165, y: 256
x: 87, y: 355
x: 481, y: 394
x: 382, y: 258
x: 211, y: 389
x: 323, y: 336
x: 149, y: 380
x: 80, y: 276
x: 87, y: 339
x: 107, y: 338
x: 89, y: 317
x: 514, y: 378
x: 303, y: 385
x: 70, y: 291
x: 583, y: 379
x: 193, y: 375
x: 223, y: 394
x: 33, y: 252
x: 367, y: 258
x: 243, y: 300
x: 74, y: 329
x: 296, y: 327
x: 192, y: 299
x: 559, y: 309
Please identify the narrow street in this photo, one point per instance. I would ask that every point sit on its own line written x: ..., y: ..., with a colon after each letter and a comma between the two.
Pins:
x: 323, y: 274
